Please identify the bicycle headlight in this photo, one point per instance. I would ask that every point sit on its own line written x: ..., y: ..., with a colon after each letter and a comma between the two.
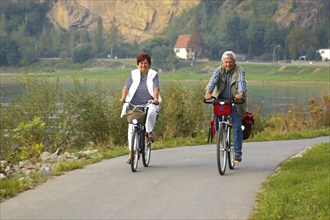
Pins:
x: 134, y: 121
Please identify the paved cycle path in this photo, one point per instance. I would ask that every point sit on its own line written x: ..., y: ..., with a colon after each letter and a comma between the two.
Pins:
x: 181, y: 183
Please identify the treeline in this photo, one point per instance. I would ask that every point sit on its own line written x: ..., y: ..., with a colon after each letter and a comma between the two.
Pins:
x: 26, y: 35
x: 247, y: 27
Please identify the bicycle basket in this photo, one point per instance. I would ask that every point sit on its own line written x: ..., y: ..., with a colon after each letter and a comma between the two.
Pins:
x: 137, y: 114
x: 222, y: 109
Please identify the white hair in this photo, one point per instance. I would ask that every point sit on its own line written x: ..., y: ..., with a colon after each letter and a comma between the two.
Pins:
x: 228, y: 54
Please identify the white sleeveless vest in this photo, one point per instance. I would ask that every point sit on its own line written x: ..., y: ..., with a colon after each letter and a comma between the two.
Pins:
x: 136, y: 76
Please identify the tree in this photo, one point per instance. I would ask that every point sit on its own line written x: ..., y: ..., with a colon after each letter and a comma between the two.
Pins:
x: 323, y: 35
x: 255, y: 33
x: 42, y: 47
x: 84, y: 37
x: 161, y: 57
x: 235, y: 33
x: 97, y: 38
x: 113, y: 39
x: 299, y: 42
x: 197, y: 45
x: 9, y: 54
x: 81, y: 53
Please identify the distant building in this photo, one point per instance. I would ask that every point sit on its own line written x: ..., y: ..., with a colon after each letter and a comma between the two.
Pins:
x: 325, y: 54
x: 182, y: 48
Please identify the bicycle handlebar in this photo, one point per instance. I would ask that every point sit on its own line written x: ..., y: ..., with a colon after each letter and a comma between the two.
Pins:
x: 223, y: 101
x: 140, y: 106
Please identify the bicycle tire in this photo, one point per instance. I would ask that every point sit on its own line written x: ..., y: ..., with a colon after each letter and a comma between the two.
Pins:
x: 221, y: 149
x: 135, y: 150
x: 231, y: 152
x: 146, y: 152
x: 210, y: 135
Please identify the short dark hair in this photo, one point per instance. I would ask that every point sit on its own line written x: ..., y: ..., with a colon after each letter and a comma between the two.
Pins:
x: 143, y: 56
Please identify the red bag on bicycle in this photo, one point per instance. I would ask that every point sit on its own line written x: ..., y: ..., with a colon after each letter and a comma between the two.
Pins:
x: 247, y: 121
x: 222, y: 109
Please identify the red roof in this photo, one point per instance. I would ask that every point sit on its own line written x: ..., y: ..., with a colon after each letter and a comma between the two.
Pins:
x: 182, y: 41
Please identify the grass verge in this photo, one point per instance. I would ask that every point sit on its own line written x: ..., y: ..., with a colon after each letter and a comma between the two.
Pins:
x: 300, y: 190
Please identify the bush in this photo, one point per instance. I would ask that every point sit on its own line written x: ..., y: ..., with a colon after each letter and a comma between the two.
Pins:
x: 51, y: 117
x: 29, y: 136
x: 182, y: 112
x: 82, y: 52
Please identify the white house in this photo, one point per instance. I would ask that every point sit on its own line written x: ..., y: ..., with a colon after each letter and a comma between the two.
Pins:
x: 325, y: 54
x: 182, y: 49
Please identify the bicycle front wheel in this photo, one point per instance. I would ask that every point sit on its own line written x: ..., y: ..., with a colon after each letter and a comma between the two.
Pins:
x: 147, y: 152
x: 221, y: 149
x: 231, y: 152
x: 135, y: 150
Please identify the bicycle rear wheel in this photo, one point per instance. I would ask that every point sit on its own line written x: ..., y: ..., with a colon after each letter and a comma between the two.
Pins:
x: 221, y: 149
x: 147, y: 152
x: 135, y: 150
x: 231, y: 152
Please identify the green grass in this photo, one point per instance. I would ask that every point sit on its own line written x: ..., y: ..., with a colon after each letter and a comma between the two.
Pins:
x: 272, y: 136
x: 282, y: 73
x: 119, y: 70
x: 300, y: 190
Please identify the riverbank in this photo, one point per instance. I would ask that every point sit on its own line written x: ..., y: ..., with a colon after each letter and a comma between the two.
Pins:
x: 119, y: 69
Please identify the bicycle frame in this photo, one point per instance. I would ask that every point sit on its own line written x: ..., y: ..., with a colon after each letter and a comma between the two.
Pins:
x: 225, y: 151
x: 140, y: 145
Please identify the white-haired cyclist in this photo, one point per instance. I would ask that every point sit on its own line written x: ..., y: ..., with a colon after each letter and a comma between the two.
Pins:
x: 228, y: 82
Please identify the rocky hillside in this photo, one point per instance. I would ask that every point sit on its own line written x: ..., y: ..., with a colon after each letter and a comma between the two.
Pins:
x: 136, y: 19
x: 141, y: 19
x: 302, y: 13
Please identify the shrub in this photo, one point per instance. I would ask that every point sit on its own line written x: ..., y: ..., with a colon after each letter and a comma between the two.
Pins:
x: 182, y: 111
x: 82, y: 52
x: 30, y: 137
x: 49, y: 117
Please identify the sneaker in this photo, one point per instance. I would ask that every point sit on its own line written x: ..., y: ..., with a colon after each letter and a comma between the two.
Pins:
x: 151, y: 137
x: 238, y: 158
x: 129, y: 161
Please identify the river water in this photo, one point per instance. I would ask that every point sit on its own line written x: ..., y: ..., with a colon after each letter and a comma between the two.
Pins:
x: 270, y: 98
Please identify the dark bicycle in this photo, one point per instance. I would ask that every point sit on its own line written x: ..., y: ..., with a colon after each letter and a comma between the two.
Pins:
x: 140, y: 143
x: 225, y: 149
x: 211, y: 133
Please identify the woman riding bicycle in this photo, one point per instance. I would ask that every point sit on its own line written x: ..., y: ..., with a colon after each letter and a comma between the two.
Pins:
x: 228, y: 82
x: 141, y: 86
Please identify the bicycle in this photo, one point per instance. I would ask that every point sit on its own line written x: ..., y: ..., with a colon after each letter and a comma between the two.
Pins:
x: 211, y: 133
x: 140, y: 143
x: 225, y: 150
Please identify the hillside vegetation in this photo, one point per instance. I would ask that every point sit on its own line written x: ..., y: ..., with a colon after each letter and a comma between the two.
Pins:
x: 251, y: 28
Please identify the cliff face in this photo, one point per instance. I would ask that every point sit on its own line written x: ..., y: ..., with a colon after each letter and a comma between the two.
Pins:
x: 136, y: 19
x: 142, y: 19
x: 302, y: 13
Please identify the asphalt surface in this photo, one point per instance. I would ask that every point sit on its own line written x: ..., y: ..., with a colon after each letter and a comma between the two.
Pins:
x: 181, y: 183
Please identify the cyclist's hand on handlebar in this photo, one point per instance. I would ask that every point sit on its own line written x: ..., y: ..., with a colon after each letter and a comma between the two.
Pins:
x: 239, y: 96
x: 207, y: 96
x: 121, y: 100
x: 155, y: 102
